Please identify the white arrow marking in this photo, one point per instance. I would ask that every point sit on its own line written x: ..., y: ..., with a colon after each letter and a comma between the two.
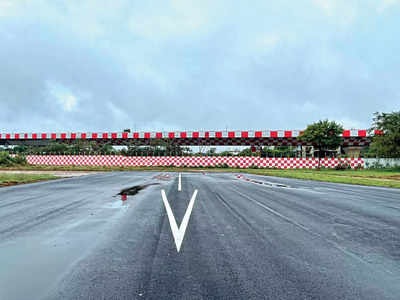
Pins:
x: 179, y: 183
x: 178, y: 233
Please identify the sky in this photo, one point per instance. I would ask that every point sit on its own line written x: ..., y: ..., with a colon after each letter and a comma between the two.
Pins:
x: 97, y: 65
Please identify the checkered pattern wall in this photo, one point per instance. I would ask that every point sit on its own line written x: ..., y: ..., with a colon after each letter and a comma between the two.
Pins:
x: 193, y: 161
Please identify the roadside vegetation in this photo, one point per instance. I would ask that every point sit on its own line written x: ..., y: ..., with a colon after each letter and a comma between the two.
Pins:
x: 8, y: 179
x: 370, y: 177
x: 8, y: 162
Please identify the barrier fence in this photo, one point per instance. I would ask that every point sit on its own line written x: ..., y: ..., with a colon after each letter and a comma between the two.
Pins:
x: 191, y: 161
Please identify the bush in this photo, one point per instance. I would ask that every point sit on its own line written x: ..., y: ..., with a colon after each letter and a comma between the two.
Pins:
x: 374, y: 165
x: 20, y: 160
x: 343, y: 166
x: 7, y: 161
x: 358, y: 167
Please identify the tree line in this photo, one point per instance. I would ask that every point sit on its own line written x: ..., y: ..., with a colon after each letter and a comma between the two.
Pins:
x: 324, y: 135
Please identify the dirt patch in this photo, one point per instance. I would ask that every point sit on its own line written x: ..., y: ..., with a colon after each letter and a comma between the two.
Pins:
x: 12, y: 183
x: 394, y: 177
x: 383, y: 178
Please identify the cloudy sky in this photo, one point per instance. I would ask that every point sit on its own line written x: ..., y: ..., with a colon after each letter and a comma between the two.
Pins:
x: 93, y: 65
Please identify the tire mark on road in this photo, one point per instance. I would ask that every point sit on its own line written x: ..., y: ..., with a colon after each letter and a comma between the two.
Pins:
x: 40, y: 219
x: 304, y: 228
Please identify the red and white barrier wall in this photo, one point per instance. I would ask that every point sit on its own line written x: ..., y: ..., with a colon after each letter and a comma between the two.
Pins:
x: 189, y: 161
x: 173, y: 135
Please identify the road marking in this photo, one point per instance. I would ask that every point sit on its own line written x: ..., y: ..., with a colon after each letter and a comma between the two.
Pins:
x: 179, y: 183
x: 178, y: 233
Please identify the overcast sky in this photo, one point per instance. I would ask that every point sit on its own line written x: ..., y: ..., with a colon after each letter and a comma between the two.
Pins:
x: 96, y: 65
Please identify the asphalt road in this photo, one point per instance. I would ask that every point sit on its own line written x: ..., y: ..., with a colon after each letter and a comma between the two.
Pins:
x: 247, y: 238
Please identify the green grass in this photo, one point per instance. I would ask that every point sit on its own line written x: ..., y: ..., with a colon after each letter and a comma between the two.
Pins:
x: 372, y: 177
x: 7, y: 179
x: 385, y: 178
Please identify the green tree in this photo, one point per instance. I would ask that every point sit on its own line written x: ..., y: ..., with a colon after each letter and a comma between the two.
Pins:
x: 211, y: 152
x: 386, y: 144
x: 323, y: 135
x: 246, y: 152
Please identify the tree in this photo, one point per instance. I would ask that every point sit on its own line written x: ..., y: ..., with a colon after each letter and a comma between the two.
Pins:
x: 323, y: 135
x: 246, y: 152
x: 386, y: 144
x: 211, y: 152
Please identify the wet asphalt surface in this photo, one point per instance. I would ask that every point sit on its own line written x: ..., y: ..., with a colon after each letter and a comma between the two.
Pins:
x: 247, y: 238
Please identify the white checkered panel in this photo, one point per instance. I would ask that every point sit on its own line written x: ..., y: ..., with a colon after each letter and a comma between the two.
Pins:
x: 203, y: 161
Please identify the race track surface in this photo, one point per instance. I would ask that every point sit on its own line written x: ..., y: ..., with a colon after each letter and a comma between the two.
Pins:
x: 251, y: 237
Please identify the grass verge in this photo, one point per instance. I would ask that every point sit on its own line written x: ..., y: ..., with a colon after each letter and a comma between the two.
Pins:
x: 14, y: 179
x: 370, y: 177
x: 384, y: 177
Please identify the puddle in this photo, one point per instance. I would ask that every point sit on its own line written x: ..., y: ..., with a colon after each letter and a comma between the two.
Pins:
x: 135, y: 189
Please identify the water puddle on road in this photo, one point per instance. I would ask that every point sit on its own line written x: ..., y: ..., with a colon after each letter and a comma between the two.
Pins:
x: 131, y: 191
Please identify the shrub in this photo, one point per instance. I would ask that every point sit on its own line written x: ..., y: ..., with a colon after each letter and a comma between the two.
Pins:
x: 6, y: 160
x: 343, y: 166
x: 358, y: 167
x: 20, y: 160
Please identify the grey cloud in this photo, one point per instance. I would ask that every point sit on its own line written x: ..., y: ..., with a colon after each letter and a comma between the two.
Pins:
x: 212, y: 74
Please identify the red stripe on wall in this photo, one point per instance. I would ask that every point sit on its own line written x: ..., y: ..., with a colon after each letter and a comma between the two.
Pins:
x: 288, y: 133
x: 362, y: 133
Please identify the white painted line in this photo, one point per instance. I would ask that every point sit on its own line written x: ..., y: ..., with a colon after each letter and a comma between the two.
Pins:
x: 178, y: 233
x: 179, y: 182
